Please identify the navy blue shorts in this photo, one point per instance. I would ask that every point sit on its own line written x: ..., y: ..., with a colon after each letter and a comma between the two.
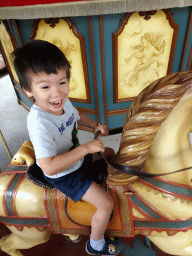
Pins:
x: 74, y: 184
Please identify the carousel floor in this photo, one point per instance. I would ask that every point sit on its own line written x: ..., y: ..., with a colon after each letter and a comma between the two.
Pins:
x: 13, y: 126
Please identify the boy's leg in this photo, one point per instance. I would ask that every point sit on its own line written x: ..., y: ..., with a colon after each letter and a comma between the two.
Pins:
x: 98, y: 197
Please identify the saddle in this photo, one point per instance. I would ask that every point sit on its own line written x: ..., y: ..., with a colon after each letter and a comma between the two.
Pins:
x: 35, y: 175
x: 98, y: 173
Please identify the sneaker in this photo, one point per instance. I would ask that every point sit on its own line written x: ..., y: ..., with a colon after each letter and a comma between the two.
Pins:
x: 112, y: 247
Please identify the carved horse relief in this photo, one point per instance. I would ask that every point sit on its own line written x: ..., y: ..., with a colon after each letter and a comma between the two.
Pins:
x: 155, y: 139
x: 143, y: 50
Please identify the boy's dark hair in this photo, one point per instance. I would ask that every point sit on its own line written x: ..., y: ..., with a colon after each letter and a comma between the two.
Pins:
x: 38, y: 56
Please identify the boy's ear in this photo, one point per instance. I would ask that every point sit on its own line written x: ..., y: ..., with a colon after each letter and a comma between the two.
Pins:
x: 29, y: 94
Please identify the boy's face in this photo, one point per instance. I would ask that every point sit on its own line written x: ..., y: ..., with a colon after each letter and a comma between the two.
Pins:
x: 50, y: 91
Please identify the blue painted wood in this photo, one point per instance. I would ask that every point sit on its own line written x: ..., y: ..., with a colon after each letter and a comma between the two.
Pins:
x: 25, y: 28
x: 181, y: 16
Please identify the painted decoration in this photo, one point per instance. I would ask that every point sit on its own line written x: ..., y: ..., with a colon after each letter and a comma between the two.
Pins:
x: 61, y: 34
x: 143, y: 52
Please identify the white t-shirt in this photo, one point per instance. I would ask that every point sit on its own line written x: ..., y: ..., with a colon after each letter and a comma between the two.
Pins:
x: 52, y: 135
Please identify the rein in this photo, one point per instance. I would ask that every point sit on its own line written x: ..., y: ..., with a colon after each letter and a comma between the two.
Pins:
x: 132, y: 171
x: 135, y: 172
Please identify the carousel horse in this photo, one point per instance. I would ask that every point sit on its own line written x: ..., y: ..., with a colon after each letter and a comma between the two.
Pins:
x: 155, y: 140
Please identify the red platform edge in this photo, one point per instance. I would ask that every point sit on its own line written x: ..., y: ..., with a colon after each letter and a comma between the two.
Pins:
x: 16, y: 3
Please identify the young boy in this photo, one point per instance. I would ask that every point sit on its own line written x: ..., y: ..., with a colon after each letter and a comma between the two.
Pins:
x: 44, y: 73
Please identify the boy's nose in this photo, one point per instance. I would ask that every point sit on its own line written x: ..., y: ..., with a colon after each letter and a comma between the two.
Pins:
x: 56, y: 91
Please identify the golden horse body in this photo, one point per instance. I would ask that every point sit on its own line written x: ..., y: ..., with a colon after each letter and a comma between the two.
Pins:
x: 155, y: 138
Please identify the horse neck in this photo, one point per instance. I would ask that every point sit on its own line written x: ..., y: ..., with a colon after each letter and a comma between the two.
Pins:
x: 171, y: 149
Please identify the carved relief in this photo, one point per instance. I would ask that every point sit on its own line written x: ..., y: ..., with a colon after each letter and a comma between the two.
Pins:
x: 8, y: 48
x: 142, y: 47
x: 147, y: 61
x: 67, y: 49
x: 63, y: 33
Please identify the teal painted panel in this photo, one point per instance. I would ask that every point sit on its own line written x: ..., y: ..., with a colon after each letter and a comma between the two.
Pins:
x: 25, y: 28
x: 116, y: 121
x: 15, y: 32
x: 181, y: 16
x: 188, y: 51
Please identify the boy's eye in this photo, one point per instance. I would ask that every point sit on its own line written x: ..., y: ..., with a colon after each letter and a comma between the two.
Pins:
x: 45, y: 87
x: 64, y: 82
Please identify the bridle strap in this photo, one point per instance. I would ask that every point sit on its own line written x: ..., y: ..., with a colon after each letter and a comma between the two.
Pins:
x: 135, y: 172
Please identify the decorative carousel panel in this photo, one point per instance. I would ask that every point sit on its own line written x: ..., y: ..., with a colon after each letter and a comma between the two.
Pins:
x: 8, y: 45
x: 63, y: 33
x: 143, y: 51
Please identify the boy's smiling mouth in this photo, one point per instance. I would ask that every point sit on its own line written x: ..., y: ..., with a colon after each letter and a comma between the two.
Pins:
x: 56, y: 103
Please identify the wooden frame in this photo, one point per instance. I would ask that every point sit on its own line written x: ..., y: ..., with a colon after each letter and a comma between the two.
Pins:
x: 53, y: 22
x: 189, y: 64
x: 123, y: 22
x: 93, y: 67
x: 103, y: 66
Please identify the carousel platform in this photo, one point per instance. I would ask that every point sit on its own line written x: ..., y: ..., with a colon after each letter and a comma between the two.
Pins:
x: 59, y: 245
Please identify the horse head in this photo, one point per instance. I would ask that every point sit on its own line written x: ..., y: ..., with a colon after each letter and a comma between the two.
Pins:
x: 155, y: 135
x: 24, y: 155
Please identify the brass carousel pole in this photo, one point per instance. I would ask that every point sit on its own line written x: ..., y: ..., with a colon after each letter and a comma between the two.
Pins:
x: 5, y: 145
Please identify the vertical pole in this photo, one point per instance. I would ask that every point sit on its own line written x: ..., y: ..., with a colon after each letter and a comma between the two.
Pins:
x: 5, y: 145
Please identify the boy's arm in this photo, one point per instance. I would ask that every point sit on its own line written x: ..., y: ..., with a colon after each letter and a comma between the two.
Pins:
x: 59, y: 163
x: 86, y: 121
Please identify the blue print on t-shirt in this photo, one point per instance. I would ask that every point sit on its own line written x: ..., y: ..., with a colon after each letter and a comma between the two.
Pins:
x: 68, y: 123
x: 62, y: 128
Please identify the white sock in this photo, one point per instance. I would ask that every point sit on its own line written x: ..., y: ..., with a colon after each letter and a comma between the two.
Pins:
x: 97, y: 244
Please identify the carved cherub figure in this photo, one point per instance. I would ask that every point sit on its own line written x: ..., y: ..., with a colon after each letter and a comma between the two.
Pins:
x: 146, y: 51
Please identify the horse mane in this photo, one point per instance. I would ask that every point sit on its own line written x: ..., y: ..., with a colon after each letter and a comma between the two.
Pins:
x: 151, y: 107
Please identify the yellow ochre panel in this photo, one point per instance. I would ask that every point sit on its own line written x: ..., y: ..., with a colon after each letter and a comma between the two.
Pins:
x: 143, y: 52
x: 64, y: 38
